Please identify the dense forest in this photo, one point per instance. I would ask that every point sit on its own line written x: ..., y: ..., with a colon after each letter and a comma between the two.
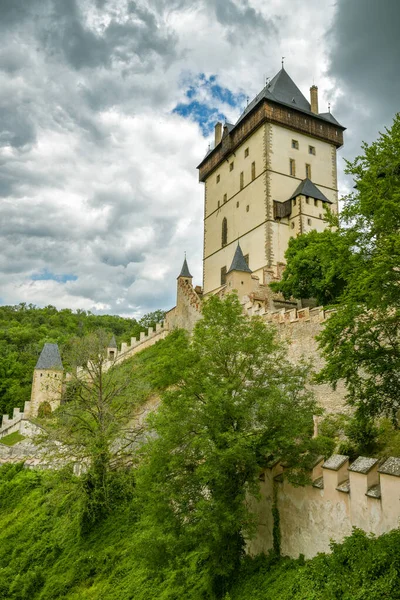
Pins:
x: 25, y: 328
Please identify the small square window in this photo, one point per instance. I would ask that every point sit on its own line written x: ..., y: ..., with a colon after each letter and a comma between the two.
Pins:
x: 308, y: 171
x: 237, y: 204
x: 295, y: 144
x: 231, y: 165
x: 247, y: 208
x: 246, y: 153
x: 218, y: 178
x: 292, y: 225
x: 225, y: 198
x: 315, y: 202
x: 311, y: 150
x: 308, y: 221
x: 241, y: 180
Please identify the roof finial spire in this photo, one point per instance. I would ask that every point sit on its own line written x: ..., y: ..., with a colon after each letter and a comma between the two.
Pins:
x: 283, y: 59
x: 329, y: 107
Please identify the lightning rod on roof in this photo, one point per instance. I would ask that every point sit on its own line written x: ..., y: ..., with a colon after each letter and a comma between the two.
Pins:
x: 283, y: 59
x: 329, y: 107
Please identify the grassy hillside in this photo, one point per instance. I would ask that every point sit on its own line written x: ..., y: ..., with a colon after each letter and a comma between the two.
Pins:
x: 44, y: 556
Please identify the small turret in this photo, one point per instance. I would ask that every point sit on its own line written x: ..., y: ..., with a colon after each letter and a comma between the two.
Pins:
x: 239, y: 276
x: 112, y: 349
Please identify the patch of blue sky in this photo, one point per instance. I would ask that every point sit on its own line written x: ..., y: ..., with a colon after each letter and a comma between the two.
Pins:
x: 200, y: 112
x: 203, y: 94
x: 46, y: 275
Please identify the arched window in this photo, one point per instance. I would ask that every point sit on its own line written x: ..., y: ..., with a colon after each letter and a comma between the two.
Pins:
x: 224, y: 234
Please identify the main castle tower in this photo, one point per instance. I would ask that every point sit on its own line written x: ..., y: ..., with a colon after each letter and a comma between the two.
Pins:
x: 268, y: 178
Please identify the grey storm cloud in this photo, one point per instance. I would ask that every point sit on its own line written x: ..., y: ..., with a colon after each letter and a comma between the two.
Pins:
x: 364, y: 60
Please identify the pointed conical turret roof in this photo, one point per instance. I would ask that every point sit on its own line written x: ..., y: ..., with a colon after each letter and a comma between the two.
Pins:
x: 239, y: 263
x: 112, y: 343
x: 49, y: 358
x: 185, y: 270
x: 308, y: 188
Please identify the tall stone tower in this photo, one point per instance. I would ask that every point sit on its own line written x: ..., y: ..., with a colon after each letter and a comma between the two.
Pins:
x: 47, y: 381
x: 268, y: 178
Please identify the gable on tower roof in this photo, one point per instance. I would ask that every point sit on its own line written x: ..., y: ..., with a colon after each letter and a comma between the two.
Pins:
x: 239, y: 263
x: 49, y: 358
x: 284, y: 89
x: 308, y: 188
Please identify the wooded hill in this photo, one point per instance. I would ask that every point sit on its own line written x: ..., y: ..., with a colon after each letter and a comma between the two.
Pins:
x: 25, y: 328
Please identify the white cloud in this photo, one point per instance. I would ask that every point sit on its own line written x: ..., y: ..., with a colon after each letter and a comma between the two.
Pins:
x: 99, y: 177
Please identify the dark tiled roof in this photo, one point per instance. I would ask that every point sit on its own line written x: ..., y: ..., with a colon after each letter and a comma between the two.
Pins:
x: 185, y: 270
x: 112, y: 343
x: 308, y: 188
x: 329, y: 117
x: 283, y: 90
x: 49, y: 358
x: 238, y: 263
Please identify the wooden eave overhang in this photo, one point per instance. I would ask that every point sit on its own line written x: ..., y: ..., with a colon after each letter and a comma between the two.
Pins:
x: 268, y: 111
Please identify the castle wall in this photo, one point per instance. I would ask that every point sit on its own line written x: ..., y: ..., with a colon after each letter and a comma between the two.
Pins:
x: 312, y: 516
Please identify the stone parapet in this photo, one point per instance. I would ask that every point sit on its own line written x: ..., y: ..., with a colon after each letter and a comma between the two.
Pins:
x: 344, y: 496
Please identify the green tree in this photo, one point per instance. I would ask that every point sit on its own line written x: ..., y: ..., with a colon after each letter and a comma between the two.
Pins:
x: 238, y: 406
x: 319, y: 265
x: 95, y: 424
x: 152, y: 318
x: 360, y: 342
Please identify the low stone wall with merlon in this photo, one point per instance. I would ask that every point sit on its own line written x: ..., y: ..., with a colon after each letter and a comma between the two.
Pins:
x: 365, y: 494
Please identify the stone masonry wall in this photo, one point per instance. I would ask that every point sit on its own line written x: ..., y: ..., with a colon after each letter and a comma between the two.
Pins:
x: 364, y: 495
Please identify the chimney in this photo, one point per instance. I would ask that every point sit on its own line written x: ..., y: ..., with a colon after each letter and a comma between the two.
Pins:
x: 218, y: 133
x: 314, y: 99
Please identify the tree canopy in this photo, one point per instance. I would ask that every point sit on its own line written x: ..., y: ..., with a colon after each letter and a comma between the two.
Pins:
x: 361, y: 340
x: 319, y: 265
x: 238, y: 406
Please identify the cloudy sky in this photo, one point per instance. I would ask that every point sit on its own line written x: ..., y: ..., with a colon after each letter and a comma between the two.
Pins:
x: 107, y: 106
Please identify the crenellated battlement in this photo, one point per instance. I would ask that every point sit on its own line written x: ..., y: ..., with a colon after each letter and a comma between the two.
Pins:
x: 138, y: 344
x: 364, y: 494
